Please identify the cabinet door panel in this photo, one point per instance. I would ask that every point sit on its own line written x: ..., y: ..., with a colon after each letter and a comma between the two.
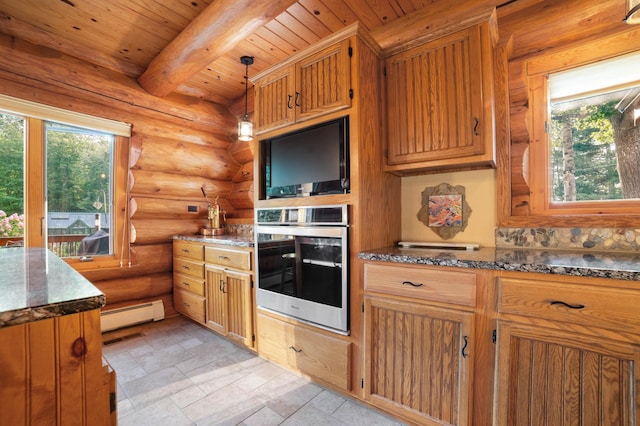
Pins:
x: 239, y: 322
x: 324, y: 81
x: 551, y: 377
x: 216, y: 299
x: 274, y: 100
x: 416, y: 361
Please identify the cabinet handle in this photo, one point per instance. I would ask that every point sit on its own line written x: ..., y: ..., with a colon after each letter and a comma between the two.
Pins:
x: 295, y: 350
x: 289, y: 98
x: 185, y: 250
x: 186, y: 305
x: 560, y: 302
x: 412, y: 284
x: 185, y: 267
x: 184, y: 283
x: 475, y: 126
x: 222, y: 286
x: 223, y: 257
x: 464, y: 348
x: 297, y: 99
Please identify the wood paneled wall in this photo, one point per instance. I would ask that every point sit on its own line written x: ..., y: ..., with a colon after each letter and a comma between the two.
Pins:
x: 178, y: 145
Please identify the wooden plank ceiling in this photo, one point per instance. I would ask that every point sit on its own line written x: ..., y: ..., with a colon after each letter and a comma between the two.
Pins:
x: 128, y: 35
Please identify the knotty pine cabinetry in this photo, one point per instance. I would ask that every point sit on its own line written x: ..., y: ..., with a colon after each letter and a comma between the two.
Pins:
x: 311, y: 86
x: 568, y: 351
x: 420, y: 342
x: 304, y: 349
x: 53, y: 373
x: 212, y: 285
x: 229, y: 293
x: 440, y: 112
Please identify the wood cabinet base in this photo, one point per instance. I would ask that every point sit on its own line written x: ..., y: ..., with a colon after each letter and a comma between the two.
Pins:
x: 53, y: 373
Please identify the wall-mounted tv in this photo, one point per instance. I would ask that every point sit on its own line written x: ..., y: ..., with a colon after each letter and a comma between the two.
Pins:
x: 310, y: 161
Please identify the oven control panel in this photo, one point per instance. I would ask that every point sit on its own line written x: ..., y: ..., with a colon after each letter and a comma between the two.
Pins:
x: 307, y: 215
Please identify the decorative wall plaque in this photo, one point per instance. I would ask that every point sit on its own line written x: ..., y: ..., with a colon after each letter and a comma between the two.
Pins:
x: 444, y: 210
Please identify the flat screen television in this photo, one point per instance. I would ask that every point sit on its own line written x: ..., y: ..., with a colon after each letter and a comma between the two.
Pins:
x: 310, y: 161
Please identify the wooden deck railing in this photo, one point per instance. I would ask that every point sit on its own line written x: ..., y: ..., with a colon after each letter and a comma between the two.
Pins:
x: 61, y: 245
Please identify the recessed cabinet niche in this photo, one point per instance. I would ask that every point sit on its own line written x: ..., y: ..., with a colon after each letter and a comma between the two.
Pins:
x: 314, y: 85
x: 440, y: 111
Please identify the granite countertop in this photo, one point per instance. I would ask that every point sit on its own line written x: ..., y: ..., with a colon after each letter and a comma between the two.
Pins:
x: 36, y: 284
x: 227, y: 239
x: 623, y: 266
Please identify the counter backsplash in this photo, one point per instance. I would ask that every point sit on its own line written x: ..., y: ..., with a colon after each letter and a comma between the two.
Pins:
x: 596, y: 239
x: 239, y: 229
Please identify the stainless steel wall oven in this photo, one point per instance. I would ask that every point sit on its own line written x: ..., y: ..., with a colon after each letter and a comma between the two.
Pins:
x: 302, y: 256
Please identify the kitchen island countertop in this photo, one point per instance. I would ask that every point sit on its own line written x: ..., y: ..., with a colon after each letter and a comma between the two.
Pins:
x: 35, y: 284
x: 614, y: 265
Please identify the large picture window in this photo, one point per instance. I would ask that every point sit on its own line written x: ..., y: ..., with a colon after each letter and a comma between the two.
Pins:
x: 62, y: 177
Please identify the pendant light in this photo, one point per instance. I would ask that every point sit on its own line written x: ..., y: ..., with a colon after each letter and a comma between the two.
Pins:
x: 245, y: 127
x: 633, y: 12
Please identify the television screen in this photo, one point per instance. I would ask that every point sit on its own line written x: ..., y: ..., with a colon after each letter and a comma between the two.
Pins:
x: 310, y: 161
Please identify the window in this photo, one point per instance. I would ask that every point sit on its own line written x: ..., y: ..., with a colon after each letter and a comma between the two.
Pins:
x: 574, y: 140
x: 593, y: 133
x: 73, y: 180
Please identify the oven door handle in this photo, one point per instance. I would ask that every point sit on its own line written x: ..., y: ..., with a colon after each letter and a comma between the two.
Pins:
x: 304, y: 231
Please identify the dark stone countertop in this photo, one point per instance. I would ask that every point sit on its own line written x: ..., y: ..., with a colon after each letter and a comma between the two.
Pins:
x: 623, y: 266
x: 35, y: 284
x: 226, y: 239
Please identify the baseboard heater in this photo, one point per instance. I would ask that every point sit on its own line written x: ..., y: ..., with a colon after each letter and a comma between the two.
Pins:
x: 132, y: 315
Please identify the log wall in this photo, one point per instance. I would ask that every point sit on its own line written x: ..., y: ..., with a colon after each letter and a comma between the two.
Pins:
x: 178, y: 145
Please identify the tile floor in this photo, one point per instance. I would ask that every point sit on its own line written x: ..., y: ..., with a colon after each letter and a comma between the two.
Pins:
x: 175, y: 372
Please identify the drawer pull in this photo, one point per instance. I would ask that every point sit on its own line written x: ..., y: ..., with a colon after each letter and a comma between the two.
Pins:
x: 186, y: 304
x: 223, y: 257
x: 184, y: 283
x: 185, y: 250
x: 295, y: 350
x: 560, y: 302
x: 412, y: 284
x: 464, y: 348
x: 185, y: 267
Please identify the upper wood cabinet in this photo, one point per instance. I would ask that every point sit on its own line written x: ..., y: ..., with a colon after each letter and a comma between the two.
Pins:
x: 440, y: 112
x: 315, y: 84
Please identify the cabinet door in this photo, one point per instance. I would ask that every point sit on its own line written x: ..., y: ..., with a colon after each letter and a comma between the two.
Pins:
x: 240, y: 320
x: 324, y: 82
x: 419, y: 360
x: 275, y: 100
x: 435, y: 99
x: 551, y: 377
x: 216, y: 299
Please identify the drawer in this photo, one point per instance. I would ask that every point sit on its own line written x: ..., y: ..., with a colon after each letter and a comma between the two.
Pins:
x: 237, y: 259
x: 440, y: 286
x: 192, y: 284
x: 188, y: 249
x: 321, y: 356
x: 604, y: 307
x: 189, y: 304
x: 188, y: 267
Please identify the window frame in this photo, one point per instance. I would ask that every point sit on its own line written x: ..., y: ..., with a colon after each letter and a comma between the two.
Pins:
x: 532, y: 164
x: 35, y: 116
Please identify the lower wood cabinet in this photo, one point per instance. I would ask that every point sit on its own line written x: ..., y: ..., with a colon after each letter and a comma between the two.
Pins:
x: 568, y: 351
x: 229, y: 303
x: 300, y: 348
x: 53, y: 373
x: 420, y: 351
x: 212, y: 284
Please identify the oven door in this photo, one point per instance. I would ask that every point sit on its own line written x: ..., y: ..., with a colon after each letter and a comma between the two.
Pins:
x: 302, y: 272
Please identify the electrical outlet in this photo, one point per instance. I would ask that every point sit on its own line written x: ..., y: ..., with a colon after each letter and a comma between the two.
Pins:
x: 192, y: 209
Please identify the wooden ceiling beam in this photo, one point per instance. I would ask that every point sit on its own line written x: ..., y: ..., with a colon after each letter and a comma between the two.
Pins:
x: 220, y: 27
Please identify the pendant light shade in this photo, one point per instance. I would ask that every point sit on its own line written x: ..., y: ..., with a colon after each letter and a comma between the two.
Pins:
x: 633, y: 12
x: 245, y: 127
